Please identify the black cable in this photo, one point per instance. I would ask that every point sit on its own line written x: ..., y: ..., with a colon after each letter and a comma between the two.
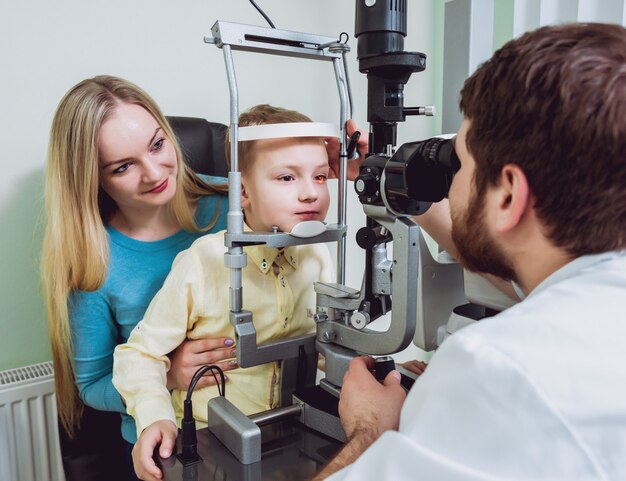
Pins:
x: 199, y: 374
x: 189, y: 441
x: 221, y: 389
x: 262, y: 13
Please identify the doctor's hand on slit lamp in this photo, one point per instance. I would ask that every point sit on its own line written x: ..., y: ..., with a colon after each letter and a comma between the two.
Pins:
x: 332, y: 147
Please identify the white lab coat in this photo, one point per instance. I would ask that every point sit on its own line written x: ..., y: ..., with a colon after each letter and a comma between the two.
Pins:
x: 535, y: 393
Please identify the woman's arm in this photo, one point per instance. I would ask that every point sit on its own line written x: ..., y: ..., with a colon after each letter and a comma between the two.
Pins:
x: 94, y: 337
x: 141, y: 364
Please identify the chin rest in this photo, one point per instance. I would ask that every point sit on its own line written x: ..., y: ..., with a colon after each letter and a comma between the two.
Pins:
x: 202, y: 143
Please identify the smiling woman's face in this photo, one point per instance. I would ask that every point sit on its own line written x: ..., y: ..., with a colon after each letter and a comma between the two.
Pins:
x: 137, y: 160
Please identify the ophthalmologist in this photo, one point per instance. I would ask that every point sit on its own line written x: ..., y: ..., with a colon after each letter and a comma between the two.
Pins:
x: 537, y: 392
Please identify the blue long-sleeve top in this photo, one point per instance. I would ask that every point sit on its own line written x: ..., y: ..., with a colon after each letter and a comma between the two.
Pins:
x: 102, y: 319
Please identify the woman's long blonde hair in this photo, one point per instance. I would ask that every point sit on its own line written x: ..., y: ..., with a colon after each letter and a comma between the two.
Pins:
x: 75, y: 247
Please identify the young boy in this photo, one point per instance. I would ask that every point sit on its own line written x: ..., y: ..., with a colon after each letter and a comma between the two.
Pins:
x: 283, y: 183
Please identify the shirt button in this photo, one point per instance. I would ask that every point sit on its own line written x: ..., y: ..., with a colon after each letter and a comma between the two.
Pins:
x: 282, y: 281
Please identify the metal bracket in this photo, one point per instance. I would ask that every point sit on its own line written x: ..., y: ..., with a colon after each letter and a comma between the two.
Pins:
x: 235, y: 430
x: 405, y: 234
x: 251, y: 354
x: 251, y: 38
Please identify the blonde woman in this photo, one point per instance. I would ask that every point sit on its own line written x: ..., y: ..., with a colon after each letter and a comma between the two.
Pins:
x: 120, y: 206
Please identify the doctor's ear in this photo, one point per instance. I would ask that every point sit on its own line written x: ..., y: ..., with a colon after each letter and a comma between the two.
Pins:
x: 513, y: 198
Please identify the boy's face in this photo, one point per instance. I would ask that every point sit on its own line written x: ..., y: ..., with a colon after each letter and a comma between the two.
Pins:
x: 285, y: 183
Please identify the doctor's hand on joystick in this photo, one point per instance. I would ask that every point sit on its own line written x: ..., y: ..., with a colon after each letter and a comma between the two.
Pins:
x: 367, y: 407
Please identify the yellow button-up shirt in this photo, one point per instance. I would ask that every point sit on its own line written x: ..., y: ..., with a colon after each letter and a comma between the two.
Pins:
x: 194, y: 303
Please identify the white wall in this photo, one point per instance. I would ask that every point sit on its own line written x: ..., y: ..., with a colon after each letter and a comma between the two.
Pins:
x: 48, y: 46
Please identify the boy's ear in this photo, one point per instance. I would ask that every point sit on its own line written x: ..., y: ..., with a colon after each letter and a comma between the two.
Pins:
x: 245, y: 200
x: 513, y: 198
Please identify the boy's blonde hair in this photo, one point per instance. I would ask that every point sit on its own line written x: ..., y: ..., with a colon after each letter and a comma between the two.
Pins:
x: 260, y: 115
x: 75, y: 248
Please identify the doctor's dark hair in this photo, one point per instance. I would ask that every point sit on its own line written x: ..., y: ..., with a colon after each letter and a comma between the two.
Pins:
x: 553, y: 102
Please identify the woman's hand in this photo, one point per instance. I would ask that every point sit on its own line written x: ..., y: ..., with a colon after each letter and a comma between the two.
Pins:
x: 191, y: 355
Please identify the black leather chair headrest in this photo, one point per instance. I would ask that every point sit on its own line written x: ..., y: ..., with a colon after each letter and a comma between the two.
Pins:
x: 202, y: 143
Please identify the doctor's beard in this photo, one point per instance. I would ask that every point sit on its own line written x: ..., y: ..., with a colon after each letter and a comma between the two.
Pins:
x: 478, y: 251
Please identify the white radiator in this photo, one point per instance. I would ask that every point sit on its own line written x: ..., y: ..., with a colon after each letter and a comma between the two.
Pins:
x: 29, y: 441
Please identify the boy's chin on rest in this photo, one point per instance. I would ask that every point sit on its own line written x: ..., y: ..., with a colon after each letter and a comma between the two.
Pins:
x: 296, y: 224
x: 308, y: 228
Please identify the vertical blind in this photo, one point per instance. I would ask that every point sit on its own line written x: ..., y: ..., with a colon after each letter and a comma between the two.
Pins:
x: 469, y: 35
x: 530, y: 14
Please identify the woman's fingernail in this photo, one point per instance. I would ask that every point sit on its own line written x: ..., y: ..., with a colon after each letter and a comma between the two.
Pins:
x: 229, y: 342
x: 234, y: 363
x: 397, y: 375
x: 166, y: 453
x: 233, y: 352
